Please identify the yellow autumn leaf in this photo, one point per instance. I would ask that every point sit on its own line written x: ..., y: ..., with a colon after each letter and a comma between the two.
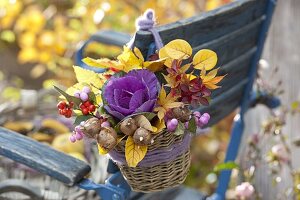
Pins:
x: 210, y: 75
x: 178, y: 49
x: 211, y: 84
x: 134, y: 153
x: 78, y: 86
x: 163, y: 55
x: 101, y: 63
x: 165, y: 103
x: 101, y: 150
x: 129, y: 60
x: 161, y: 112
x: 89, y: 77
x: 206, y: 59
x: 158, y: 125
x: 138, y: 54
x: 211, y: 79
x: 154, y: 66
x: 154, y: 129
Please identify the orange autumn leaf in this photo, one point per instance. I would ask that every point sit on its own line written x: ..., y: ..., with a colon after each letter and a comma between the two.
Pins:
x: 210, y: 80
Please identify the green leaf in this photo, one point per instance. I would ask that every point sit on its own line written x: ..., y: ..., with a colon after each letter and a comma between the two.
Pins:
x: 110, y: 120
x: 81, y: 118
x: 101, y: 110
x: 92, y: 97
x: 192, y: 127
x: 69, y: 98
x: 226, y: 166
x: 180, y: 129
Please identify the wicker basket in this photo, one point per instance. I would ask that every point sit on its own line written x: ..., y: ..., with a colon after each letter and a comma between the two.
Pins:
x: 165, y: 165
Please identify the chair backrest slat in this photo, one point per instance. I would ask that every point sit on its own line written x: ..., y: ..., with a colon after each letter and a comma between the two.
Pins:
x: 208, y: 26
x: 42, y: 157
x: 232, y: 31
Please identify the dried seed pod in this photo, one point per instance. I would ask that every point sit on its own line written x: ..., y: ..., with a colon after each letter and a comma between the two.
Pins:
x: 128, y: 126
x: 182, y: 113
x: 91, y: 127
x: 107, y: 138
x: 142, y: 137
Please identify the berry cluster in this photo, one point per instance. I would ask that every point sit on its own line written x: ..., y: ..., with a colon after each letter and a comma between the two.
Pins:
x: 65, y: 108
x: 172, y: 124
x: 201, y: 120
x: 87, y: 107
x: 77, y: 133
x: 83, y: 94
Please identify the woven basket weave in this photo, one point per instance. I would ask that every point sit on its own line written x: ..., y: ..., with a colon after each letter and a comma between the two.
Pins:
x: 153, y: 174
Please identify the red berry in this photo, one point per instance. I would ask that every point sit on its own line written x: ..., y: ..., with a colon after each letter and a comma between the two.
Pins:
x: 60, y: 111
x: 92, y: 108
x: 68, y: 114
x: 85, y: 111
x: 82, y: 106
x: 87, y: 104
x: 61, y: 105
x: 64, y: 111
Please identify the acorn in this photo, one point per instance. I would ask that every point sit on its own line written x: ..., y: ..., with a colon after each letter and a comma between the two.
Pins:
x: 142, y: 137
x: 107, y: 138
x: 128, y: 126
x: 91, y: 127
x: 182, y: 113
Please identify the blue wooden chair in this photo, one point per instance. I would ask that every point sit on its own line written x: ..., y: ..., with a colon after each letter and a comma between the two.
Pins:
x: 236, y: 32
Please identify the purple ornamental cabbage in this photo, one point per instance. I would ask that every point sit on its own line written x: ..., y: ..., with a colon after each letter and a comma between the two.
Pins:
x: 133, y: 93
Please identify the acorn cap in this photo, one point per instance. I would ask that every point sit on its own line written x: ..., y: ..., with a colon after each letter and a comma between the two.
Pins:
x: 128, y: 126
x: 91, y: 127
x: 107, y: 138
x: 142, y: 137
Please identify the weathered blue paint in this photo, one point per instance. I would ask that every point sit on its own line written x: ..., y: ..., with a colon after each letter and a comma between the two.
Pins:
x: 42, y: 157
x: 115, y: 188
x: 238, y: 126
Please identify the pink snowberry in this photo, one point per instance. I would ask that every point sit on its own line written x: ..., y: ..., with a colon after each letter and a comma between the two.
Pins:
x: 72, y: 138
x: 105, y: 124
x: 172, y: 124
x: 197, y: 114
x: 204, y: 118
x: 86, y: 89
x: 77, y: 94
x: 84, y: 96
x: 78, y: 136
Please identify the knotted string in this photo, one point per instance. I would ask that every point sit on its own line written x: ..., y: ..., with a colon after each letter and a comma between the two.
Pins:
x: 146, y: 22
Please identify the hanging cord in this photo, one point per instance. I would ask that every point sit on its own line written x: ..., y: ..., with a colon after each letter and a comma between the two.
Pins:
x: 146, y: 22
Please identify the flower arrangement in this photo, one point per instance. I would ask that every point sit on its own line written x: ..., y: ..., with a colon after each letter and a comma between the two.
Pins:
x: 136, y: 99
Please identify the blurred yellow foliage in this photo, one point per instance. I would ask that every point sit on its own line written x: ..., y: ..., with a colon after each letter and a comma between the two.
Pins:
x: 47, y: 32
